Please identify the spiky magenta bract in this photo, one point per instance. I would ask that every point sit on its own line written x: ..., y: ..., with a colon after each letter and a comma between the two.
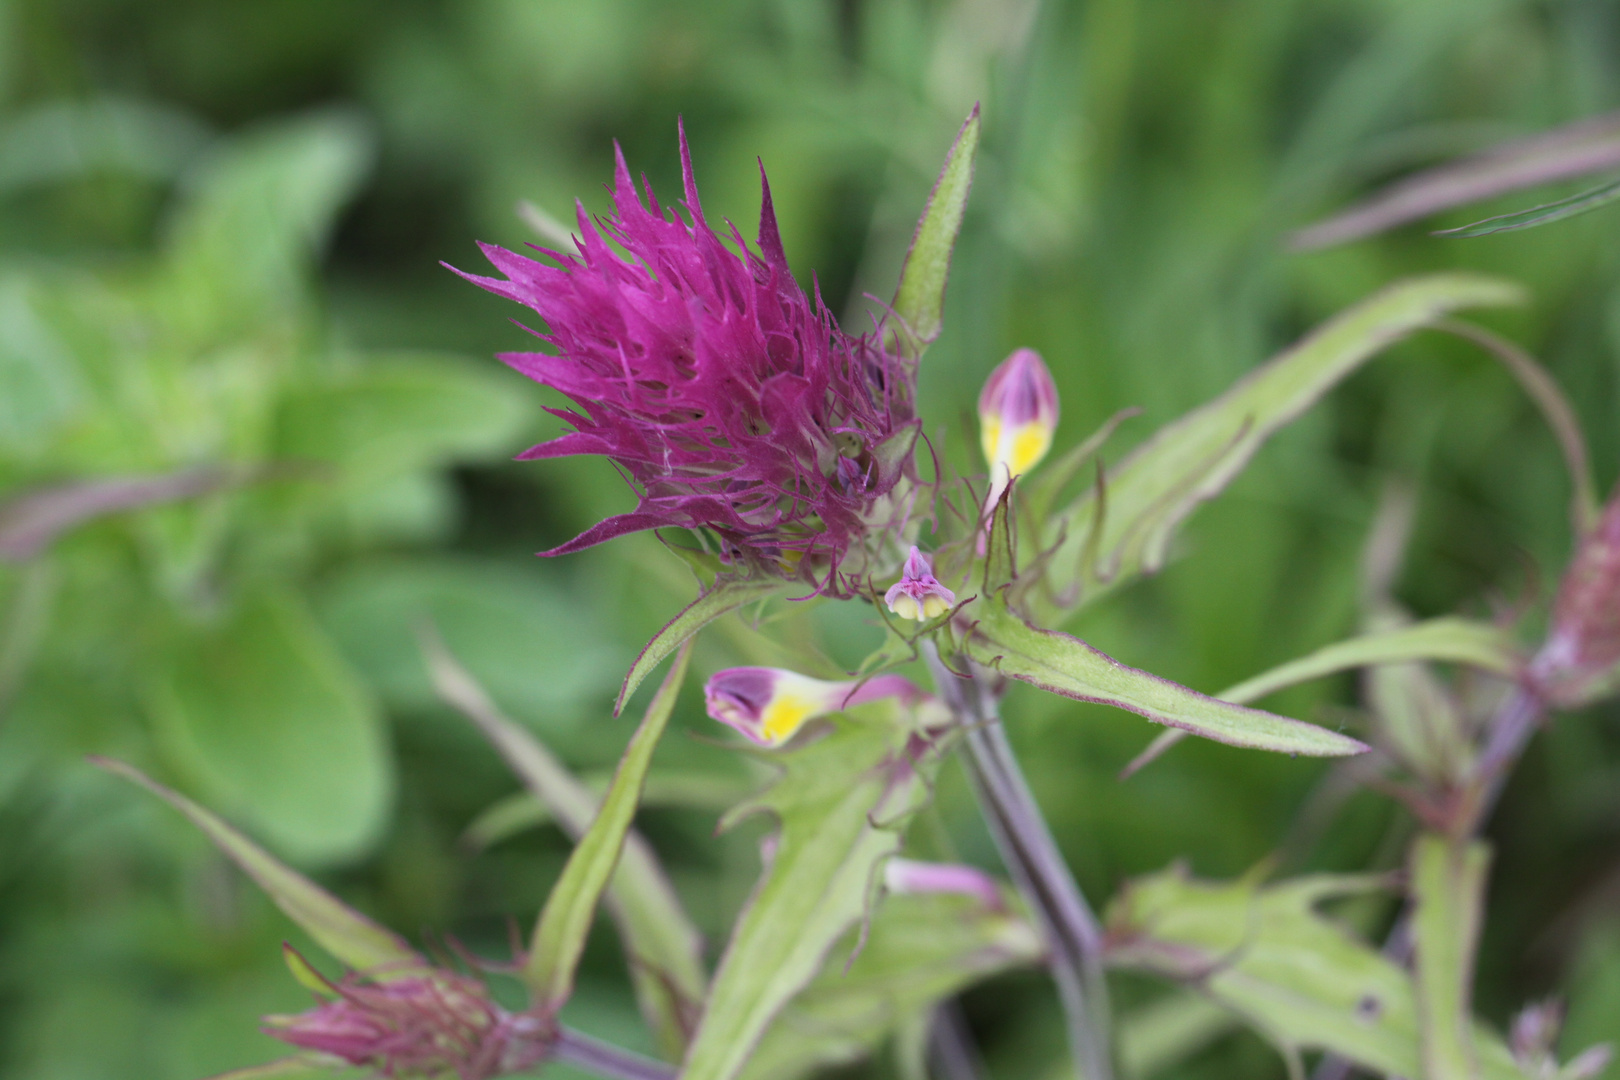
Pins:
x: 733, y: 402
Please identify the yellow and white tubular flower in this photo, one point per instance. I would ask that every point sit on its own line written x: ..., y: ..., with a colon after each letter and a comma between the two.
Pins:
x: 768, y: 706
x: 1018, y: 414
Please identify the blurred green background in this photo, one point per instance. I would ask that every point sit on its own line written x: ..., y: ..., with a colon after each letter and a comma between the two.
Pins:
x: 220, y: 234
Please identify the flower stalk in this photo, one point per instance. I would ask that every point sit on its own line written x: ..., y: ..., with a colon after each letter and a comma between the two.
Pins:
x: 1035, y: 864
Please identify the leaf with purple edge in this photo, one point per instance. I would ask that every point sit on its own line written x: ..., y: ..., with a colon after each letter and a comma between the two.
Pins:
x: 919, y: 301
x: 559, y: 936
x: 1068, y: 666
x: 1192, y: 459
x: 723, y: 598
x: 345, y: 933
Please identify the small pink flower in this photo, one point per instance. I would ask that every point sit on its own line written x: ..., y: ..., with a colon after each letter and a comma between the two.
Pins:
x: 768, y: 706
x: 918, y: 594
x: 1018, y: 414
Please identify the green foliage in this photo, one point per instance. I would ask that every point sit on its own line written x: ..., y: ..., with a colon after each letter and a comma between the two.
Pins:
x: 1066, y: 665
x: 721, y: 598
x: 840, y: 805
x: 919, y: 300
x: 917, y: 951
x: 1298, y: 977
x: 1448, y: 894
x: 559, y: 938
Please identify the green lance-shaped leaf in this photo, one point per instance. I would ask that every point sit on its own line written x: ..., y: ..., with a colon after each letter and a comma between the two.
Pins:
x: 1302, y: 980
x: 517, y: 813
x: 666, y: 950
x: 721, y: 599
x: 1192, y: 459
x: 919, y: 950
x: 840, y: 801
x: 1448, y: 638
x: 919, y: 301
x: 1066, y: 665
x: 1544, y: 214
x: 1448, y: 886
x: 345, y: 933
x: 559, y: 937
x: 1170, y: 1030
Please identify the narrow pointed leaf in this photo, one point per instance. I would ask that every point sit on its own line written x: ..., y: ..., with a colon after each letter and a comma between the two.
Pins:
x: 517, y: 813
x: 841, y: 801
x: 723, y: 598
x: 345, y: 933
x: 559, y: 937
x: 1185, y: 463
x: 1449, y: 639
x: 1066, y: 665
x: 1448, y: 887
x: 1545, y: 214
x: 920, y: 299
x: 666, y: 949
x: 1578, y: 149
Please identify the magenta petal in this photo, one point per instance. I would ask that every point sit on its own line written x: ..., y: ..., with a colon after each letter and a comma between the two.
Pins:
x: 618, y: 525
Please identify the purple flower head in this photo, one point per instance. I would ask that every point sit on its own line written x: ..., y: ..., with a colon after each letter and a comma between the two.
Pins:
x: 432, y: 1025
x: 731, y: 401
x: 1584, y: 646
x: 768, y: 706
x: 918, y: 594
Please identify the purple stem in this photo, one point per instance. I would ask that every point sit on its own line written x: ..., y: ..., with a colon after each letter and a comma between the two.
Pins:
x: 1036, y: 865
x: 604, y: 1059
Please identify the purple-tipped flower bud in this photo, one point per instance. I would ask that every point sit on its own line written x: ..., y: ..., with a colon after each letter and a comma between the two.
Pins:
x: 918, y: 594
x: 1018, y: 414
x: 434, y: 1025
x: 769, y: 705
x: 1584, y: 646
x: 911, y: 876
x: 731, y: 400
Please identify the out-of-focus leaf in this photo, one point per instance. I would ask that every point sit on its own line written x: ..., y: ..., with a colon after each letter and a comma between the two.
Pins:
x: 722, y: 598
x: 1191, y: 459
x: 841, y: 802
x: 665, y: 949
x: 1066, y: 665
x: 559, y: 937
x: 1545, y: 214
x: 919, y: 950
x: 258, y: 209
x: 1170, y: 1030
x: 1588, y: 146
x: 396, y: 413
x: 345, y: 933
x: 64, y: 140
x: 1299, y: 978
x: 42, y: 386
x: 30, y: 522
x: 523, y: 811
x: 919, y: 301
x: 1448, y: 889
x: 264, y: 715
x: 1450, y: 639
x: 537, y: 649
